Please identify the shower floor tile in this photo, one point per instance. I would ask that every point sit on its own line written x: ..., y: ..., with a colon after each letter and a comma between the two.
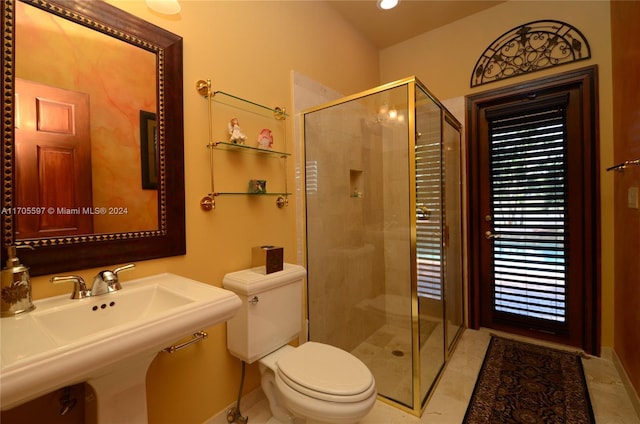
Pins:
x: 387, y: 353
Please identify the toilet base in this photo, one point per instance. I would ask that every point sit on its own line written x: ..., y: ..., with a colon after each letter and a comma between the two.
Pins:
x: 280, y: 413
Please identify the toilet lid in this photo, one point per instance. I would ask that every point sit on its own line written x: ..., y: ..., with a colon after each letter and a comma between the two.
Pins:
x: 324, y: 371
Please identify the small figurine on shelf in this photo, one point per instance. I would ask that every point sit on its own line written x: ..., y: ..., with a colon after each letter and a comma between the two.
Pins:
x: 265, y: 139
x: 257, y: 186
x: 235, y: 133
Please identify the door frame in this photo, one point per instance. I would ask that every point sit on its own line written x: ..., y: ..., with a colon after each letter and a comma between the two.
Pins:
x: 586, y: 78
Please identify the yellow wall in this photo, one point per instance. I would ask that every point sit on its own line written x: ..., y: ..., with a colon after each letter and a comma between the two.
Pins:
x: 444, y: 60
x: 248, y: 49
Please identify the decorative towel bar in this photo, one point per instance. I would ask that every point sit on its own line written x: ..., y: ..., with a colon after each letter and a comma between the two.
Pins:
x: 619, y: 167
x: 200, y: 335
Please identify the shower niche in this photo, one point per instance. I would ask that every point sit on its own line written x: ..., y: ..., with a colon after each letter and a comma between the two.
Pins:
x: 384, y: 234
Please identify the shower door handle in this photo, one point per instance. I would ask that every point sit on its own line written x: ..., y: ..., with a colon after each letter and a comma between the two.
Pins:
x: 423, y: 213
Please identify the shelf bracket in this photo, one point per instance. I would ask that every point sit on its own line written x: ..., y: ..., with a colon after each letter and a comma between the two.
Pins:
x: 204, y: 88
x: 282, y: 201
x: 280, y: 113
x: 207, y: 203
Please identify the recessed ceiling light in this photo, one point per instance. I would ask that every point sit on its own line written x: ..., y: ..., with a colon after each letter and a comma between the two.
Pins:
x: 387, y: 4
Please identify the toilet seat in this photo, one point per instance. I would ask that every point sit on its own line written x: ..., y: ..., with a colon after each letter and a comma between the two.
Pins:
x: 327, y: 373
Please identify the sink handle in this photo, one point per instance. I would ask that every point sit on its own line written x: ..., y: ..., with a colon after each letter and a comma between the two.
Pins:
x: 107, y: 281
x: 123, y: 268
x: 80, y: 290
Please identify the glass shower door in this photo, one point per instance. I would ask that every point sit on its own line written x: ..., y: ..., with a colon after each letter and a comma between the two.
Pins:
x: 453, y: 269
x: 429, y: 255
x: 358, y: 234
x: 374, y: 235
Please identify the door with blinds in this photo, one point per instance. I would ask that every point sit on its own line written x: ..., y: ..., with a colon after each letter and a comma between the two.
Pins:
x: 533, y: 210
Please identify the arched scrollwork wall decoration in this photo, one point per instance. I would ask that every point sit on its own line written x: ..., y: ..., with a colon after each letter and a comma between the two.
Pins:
x: 528, y: 48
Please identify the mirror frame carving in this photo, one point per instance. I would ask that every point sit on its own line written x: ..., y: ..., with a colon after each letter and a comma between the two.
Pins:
x: 60, y: 254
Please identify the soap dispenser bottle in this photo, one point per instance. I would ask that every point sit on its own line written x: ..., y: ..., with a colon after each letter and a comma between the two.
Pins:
x: 16, y: 286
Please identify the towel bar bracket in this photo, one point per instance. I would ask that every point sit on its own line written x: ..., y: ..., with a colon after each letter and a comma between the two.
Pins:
x: 621, y: 166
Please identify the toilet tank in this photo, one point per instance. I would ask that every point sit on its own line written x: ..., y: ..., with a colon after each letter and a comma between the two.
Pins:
x: 271, y: 311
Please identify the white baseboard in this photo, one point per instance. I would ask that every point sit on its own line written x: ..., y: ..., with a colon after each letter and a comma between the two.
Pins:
x: 247, y: 401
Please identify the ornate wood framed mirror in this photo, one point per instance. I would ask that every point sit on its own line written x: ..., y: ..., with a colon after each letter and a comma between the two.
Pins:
x: 133, y: 185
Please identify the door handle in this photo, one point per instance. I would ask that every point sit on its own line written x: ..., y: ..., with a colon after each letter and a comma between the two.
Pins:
x: 489, y: 235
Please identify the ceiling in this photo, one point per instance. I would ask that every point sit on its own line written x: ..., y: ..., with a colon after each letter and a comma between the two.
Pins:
x: 410, y: 18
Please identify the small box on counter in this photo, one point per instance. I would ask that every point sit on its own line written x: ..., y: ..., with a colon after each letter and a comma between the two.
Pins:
x: 270, y: 257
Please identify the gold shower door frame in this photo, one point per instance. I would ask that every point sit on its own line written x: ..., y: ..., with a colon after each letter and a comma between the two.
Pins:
x: 421, y: 391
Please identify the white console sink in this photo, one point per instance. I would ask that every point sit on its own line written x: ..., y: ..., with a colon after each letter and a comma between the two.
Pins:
x: 108, y: 341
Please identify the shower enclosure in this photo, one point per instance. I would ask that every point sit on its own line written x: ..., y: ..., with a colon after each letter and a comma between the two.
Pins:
x: 383, y: 234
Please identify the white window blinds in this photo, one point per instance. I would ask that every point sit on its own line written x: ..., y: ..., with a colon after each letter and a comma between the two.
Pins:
x: 529, y: 203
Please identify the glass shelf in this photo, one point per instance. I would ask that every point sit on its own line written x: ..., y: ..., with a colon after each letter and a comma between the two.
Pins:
x: 243, y: 147
x: 203, y: 87
x: 278, y: 112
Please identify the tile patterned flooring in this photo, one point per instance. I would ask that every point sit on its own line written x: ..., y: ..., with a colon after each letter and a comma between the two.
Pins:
x: 610, y: 401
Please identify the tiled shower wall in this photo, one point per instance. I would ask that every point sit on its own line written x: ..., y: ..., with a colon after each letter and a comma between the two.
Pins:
x: 345, y: 257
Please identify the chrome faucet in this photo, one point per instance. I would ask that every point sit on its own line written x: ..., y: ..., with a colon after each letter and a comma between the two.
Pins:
x: 105, y: 282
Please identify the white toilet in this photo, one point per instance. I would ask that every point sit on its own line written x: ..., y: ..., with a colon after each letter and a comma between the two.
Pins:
x: 313, y: 383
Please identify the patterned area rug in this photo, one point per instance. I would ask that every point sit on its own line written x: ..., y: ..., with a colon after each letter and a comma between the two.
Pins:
x: 525, y: 383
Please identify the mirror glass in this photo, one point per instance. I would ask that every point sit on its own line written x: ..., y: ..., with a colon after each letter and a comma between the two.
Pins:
x: 82, y: 129
x: 93, y: 161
